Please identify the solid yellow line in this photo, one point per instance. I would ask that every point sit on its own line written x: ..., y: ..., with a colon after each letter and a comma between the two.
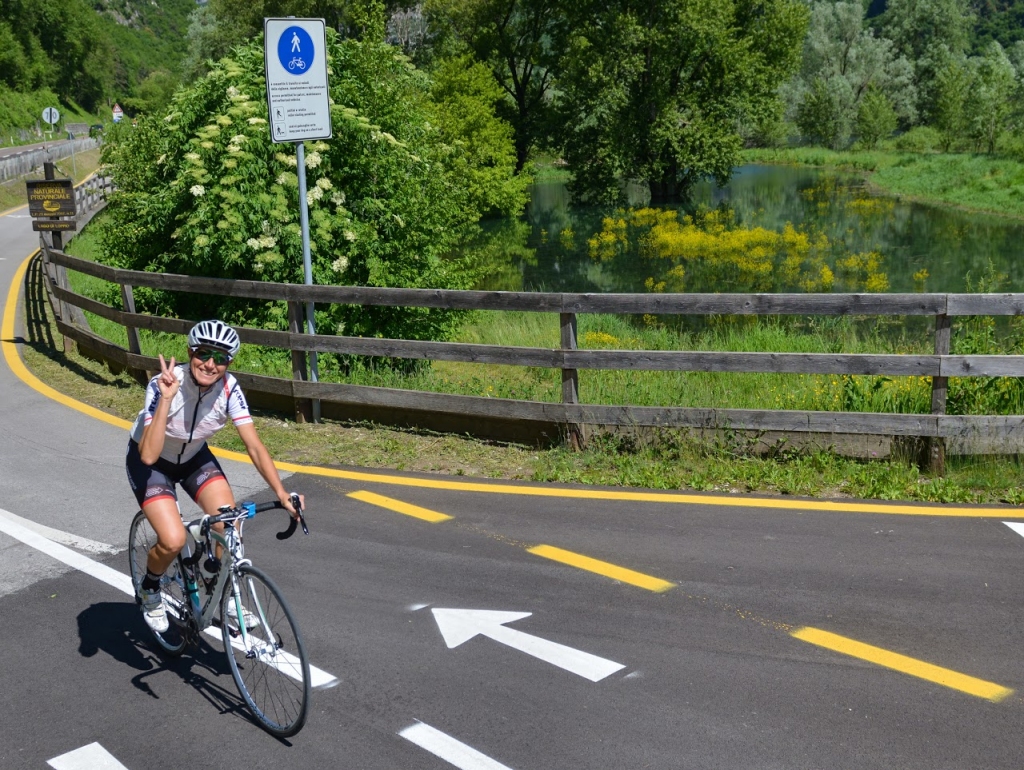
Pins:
x: 14, y: 360
x: 668, y: 498
x: 397, y: 505
x: 602, y: 568
x: 944, y: 676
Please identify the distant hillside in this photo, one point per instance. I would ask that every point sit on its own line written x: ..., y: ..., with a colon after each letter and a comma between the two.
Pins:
x: 88, y: 53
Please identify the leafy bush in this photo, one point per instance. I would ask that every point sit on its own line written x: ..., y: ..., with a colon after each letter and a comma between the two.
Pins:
x: 393, y: 196
x: 919, y: 139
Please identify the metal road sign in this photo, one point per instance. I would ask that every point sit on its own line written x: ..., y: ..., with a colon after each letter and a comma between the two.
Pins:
x: 51, y: 198
x: 295, y: 61
x: 51, y: 115
x: 118, y: 112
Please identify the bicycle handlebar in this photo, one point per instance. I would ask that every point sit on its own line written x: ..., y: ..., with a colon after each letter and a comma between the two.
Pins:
x: 249, y: 510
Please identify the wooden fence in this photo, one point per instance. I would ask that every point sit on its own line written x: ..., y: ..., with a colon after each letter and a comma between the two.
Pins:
x: 528, y: 419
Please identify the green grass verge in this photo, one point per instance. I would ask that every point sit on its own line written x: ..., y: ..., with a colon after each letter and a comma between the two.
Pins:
x: 974, y: 182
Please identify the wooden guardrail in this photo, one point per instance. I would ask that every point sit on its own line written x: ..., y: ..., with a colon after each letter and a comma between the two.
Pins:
x: 983, y: 434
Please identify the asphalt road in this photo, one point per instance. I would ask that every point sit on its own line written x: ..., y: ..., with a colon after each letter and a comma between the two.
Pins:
x: 8, y: 151
x: 738, y: 633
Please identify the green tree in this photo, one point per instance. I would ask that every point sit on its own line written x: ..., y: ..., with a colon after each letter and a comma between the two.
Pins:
x: 654, y: 91
x: 518, y: 41
x: 821, y: 116
x: 989, y: 102
x: 876, y: 118
x: 952, y: 89
x: 464, y: 98
x: 926, y: 32
x: 848, y: 58
x: 393, y: 197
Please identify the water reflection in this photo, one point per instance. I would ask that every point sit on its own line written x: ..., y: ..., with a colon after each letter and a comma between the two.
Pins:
x: 549, y: 251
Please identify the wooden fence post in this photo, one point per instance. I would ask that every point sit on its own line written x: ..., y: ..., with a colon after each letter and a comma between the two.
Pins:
x: 303, y: 406
x: 571, y: 380
x: 937, y: 444
x: 128, y: 297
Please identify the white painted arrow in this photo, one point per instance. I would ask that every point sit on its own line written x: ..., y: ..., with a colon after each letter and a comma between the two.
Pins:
x: 458, y: 626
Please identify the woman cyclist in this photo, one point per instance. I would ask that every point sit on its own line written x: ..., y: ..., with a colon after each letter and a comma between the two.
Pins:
x: 185, y: 405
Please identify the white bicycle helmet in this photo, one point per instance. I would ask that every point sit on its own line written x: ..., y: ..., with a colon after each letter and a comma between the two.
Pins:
x: 214, y: 334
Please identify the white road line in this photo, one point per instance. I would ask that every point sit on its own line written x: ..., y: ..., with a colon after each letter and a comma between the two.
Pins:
x: 63, y: 554
x: 318, y: 677
x: 450, y: 750
x: 64, y: 538
x: 91, y: 757
x: 1016, y: 526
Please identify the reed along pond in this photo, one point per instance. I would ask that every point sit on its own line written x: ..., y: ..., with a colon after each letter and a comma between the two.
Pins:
x: 771, y: 229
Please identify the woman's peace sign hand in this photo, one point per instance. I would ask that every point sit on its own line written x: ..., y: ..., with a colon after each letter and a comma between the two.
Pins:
x: 167, y: 382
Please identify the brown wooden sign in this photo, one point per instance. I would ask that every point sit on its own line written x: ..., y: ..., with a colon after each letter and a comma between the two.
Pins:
x: 51, y: 225
x: 51, y: 198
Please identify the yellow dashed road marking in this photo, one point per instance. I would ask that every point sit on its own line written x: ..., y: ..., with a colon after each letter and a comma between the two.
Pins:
x: 397, y: 505
x: 944, y: 676
x: 602, y: 568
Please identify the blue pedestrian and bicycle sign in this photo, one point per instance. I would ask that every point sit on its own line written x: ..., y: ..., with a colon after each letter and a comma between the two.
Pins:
x: 295, y: 60
x: 295, y: 50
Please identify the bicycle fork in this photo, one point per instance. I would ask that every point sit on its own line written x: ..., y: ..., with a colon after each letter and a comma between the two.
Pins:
x: 254, y: 646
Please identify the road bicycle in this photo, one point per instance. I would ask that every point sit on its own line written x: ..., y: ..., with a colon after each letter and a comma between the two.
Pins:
x: 297, y: 62
x: 261, y: 639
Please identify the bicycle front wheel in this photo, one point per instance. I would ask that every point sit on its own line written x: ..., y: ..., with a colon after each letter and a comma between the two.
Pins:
x: 265, y: 651
x: 141, y: 538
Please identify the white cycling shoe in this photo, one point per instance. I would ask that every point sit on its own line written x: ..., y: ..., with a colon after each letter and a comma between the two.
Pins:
x: 249, y: 618
x: 153, y: 610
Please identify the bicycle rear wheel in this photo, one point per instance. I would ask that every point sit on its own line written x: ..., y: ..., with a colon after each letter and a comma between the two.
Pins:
x: 268, y: 661
x: 141, y: 538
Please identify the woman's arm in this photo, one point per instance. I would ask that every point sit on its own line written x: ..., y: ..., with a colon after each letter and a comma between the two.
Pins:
x: 265, y: 464
x: 153, y: 435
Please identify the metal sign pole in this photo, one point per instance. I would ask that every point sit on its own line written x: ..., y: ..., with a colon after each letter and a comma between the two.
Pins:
x: 307, y: 266
x: 299, y: 110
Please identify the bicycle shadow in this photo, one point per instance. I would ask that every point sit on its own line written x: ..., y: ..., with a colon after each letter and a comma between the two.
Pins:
x: 117, y: 628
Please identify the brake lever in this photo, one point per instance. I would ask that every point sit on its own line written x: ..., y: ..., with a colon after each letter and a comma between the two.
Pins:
x: 297, y: 505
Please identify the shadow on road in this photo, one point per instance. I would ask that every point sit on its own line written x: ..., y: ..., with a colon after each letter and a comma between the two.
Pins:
x: 117, y: 629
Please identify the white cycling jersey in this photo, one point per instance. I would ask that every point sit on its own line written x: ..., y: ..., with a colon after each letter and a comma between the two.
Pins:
x: 195, y: 413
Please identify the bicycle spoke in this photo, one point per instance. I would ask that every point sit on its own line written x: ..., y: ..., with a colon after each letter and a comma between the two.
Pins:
x: 267, y: 662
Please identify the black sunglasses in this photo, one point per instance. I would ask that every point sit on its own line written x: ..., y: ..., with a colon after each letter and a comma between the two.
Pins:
x: 219, y: 357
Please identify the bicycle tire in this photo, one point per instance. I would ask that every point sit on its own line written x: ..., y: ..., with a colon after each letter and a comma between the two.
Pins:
x: 141, y: 538
x: 273, y: 679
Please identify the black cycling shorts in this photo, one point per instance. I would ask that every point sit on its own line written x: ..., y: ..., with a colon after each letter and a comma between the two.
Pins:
x: 157, y: 481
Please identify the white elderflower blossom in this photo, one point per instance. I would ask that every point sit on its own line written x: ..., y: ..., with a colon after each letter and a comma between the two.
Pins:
x: 320, y: 146
x: 314, y: 195
x: 338, y: 198
x: 313, y: 160
x: 288, y: 160
x: 223, y: 120
x: 238, y: 139
x: 253, y: 243
x: 197, y: 190
x: 202, y: 240
x: 350, y: 236
x: 324, y: 184
x: 207, y: 145
x: 268, y: 241
x: 256, y: 121
x: 258, y: 267
x: 192, y: 156
x: 232, y: 91
x: 340, y: 264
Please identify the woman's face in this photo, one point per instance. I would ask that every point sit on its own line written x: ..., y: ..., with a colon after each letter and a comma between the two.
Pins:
x: 209, y: 371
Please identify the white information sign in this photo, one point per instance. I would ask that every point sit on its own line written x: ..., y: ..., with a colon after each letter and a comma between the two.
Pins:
x: 295, y: 60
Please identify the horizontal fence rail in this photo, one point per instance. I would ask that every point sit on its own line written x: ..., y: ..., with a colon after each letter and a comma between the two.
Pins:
x: 983, y: 433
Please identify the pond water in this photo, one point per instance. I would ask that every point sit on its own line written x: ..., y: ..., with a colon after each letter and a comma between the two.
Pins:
x: 909, y: 246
